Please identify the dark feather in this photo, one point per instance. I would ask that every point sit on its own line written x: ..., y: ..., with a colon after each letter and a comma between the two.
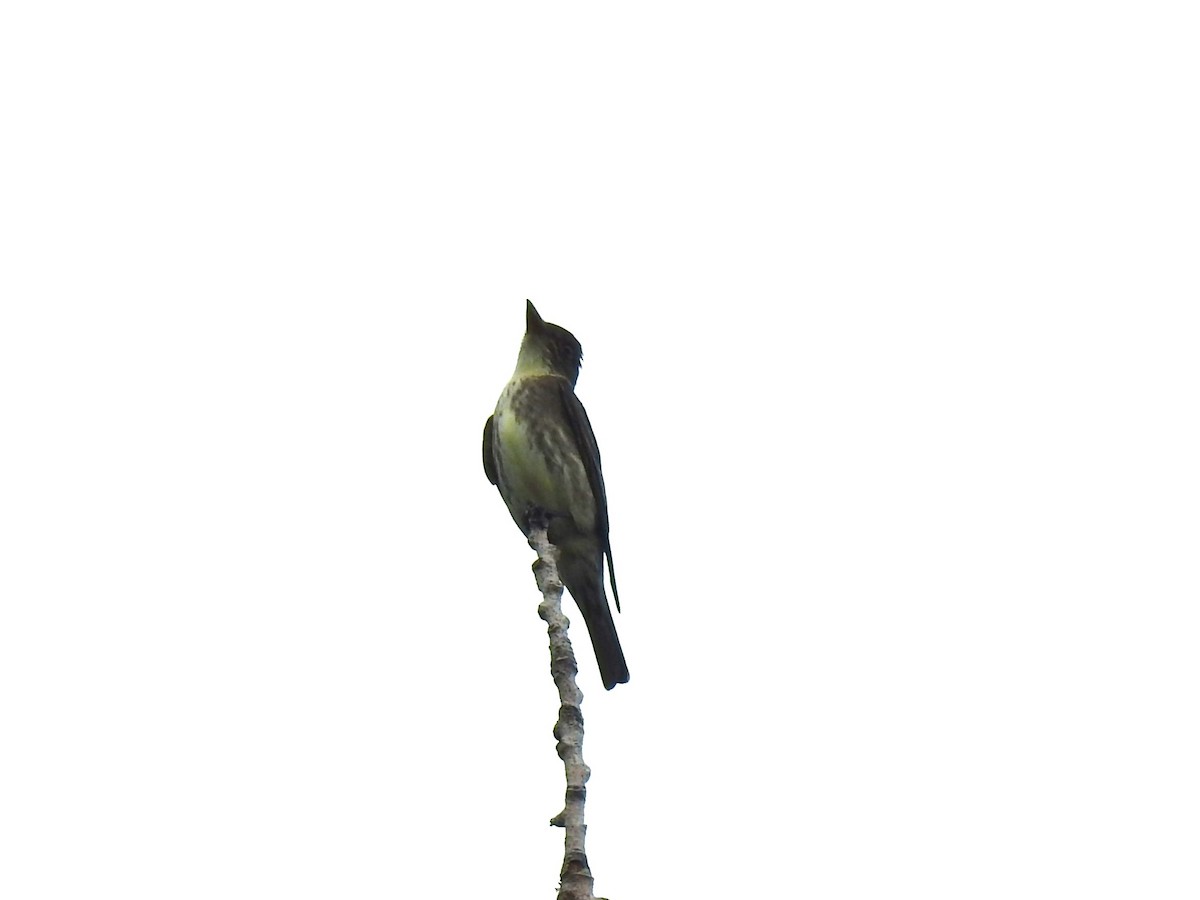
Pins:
x: 585, y: 440
x: 489, y: 452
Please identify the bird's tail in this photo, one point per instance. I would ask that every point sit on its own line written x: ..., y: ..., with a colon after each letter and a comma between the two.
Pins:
x: 603, y: 631
x: 588, y: 590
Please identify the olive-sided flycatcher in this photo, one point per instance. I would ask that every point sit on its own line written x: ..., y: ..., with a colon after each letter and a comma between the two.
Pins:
x: 539, y: 450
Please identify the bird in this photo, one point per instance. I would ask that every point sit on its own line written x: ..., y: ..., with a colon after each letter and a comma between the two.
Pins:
x: 540, y: 452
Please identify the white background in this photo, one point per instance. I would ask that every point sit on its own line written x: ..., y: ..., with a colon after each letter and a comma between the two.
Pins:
x: 888, y: 320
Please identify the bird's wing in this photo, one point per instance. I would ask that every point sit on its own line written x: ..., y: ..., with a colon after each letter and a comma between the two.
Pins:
x: 489, y: 458
x: 585, y: 439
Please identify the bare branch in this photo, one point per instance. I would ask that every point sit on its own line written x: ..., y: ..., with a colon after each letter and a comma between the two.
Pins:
x: 575, y: 879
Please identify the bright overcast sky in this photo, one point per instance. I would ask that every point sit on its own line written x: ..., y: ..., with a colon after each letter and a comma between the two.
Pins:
x: 887, y: 313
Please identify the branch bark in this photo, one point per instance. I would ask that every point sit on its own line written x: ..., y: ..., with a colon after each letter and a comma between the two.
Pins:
x: 575, y: 879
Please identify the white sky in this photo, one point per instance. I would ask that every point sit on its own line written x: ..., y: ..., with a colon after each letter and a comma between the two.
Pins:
x: 887, y: 312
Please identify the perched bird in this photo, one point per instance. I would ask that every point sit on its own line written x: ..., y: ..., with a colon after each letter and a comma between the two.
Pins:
x: 539, y: 450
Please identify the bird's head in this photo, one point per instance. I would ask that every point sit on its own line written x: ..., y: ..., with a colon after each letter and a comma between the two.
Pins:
x: 548, y: 348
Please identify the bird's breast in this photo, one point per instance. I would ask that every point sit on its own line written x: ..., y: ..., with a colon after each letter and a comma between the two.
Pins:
x: 536, y: 454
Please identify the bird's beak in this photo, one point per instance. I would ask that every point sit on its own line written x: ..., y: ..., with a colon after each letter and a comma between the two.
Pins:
x: 533, y: 322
